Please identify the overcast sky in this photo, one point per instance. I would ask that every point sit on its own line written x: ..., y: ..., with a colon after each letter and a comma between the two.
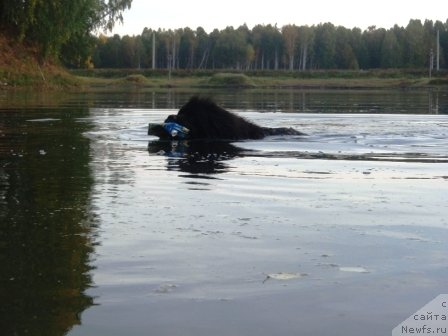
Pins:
x: 209, y: 14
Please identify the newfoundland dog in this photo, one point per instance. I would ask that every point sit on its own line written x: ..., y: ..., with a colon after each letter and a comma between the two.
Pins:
x: 201, y: 118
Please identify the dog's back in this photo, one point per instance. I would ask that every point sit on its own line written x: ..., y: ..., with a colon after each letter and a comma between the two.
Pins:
x: 207, y: 120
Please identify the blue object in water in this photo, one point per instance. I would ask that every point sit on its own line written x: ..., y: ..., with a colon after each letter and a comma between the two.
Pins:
x: 175, y: 130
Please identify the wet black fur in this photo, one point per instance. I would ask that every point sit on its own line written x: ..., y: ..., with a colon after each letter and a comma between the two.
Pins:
x: 206, y: 120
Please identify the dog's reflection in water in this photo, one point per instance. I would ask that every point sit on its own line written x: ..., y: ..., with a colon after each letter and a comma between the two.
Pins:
x: 198, y: 158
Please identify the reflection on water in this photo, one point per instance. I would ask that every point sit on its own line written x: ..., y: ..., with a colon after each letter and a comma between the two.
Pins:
x: 431, y: 101
x: 166, y: 237
x: 196, y: 157
x: 46, y: 221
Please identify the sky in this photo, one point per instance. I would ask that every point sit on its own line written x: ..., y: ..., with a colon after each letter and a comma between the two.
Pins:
x: 209, y: 14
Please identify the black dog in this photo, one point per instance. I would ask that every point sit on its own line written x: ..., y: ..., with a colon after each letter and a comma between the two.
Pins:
x: 201, y: 118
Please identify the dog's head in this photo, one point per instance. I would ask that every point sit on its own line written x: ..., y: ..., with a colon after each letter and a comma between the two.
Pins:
x: 171, y: 129
x: 197, y: 119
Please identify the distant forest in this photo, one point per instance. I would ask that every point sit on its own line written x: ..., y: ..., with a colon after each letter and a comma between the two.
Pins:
x: 267, y: 47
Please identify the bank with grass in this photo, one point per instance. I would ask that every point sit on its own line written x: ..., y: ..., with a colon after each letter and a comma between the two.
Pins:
x: 325, y: 79
x: 21, y: 68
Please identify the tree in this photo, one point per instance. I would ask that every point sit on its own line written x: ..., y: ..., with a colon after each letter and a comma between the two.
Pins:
x: 250, y: 56
x: 415, y: 54
x: 78, y: 51
x: 203, y: 47
x: 443, y: 37
x: 325, y: 46
x: 52, y: 24
x: 129, y: 52
x: 391, y: 54
x: 290, y: 34
x: 110, y: 52
x: 230, y: 49
x: 257, y: 42
x: 162, y: 47
x: 146, y: 53
x: 359, y: 48
x: 187, y: 47
x: 373, y: 38
x: 267, y: 44
x: 277, y: 44
x: 306, y: 37
x: 345, y: 58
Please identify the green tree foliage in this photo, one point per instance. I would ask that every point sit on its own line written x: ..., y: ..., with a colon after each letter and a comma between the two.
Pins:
x: 267, y: 44
x: 414, y: 55
x: 230, y: 49
x: 359, y: 47
x: 325, y: 46
x: 267, y: 47
x: 344, y: 56
x: 290, y: 34
x: 391, y: 50
x: 187, y: 48
x: 306, y: 38
x: 203, y: 47
x: 64, y: 28
x: 55, y: 24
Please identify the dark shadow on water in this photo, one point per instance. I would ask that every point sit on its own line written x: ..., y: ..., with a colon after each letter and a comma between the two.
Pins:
x: 47, y: 224
x: 199, y: 158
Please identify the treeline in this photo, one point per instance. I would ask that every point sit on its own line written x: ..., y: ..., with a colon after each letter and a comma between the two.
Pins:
x: 267, y: 47
x: 63, y: 29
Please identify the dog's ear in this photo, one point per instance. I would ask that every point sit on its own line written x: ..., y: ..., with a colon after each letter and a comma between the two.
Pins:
x: 185, y: 120
x: 171, y: 118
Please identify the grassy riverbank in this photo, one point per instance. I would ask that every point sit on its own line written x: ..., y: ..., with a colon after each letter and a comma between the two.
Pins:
x: 20, y: 67
x: 113, y: 78
x: 32, y: 75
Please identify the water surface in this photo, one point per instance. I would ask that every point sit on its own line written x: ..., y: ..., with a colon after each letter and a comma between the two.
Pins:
x: 107, y: 231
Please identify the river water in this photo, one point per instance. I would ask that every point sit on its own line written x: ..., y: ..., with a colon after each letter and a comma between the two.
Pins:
x: 104, y: 230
